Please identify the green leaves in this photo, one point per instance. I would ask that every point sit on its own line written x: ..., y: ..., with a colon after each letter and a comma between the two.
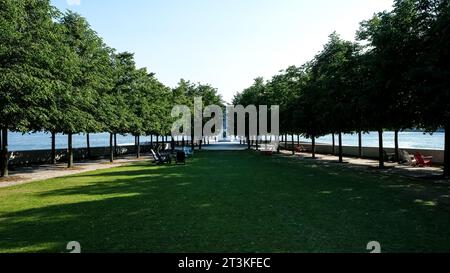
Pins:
x: 399, y: 69
x: 25, y: 63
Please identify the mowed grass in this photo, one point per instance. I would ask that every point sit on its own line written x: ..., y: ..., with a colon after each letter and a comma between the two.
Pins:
x: 226, y: 202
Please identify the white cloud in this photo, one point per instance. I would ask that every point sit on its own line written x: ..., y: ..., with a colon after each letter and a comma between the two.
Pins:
x: 74, y: 2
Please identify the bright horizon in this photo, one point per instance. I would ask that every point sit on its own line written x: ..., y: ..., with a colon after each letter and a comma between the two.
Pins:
x: 223, y: 43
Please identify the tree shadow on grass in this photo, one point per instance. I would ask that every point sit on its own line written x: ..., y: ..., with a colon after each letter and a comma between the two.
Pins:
x: 230, y: 202
x: 138, y: 208
x: 132, y: 215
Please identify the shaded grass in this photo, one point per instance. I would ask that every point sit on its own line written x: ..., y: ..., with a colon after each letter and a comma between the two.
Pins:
x: 226, y: 202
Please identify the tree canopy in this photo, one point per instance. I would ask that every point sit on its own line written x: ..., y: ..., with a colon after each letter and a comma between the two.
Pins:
x: 395, y: 77
x: 57, y: 75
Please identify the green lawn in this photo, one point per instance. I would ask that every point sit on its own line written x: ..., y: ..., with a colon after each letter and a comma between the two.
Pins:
x: 226, y: 202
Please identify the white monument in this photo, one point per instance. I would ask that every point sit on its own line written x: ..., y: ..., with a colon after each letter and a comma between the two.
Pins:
x: 224, y: 137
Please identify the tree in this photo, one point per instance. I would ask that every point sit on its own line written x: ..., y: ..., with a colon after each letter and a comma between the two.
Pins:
x: 431, y: 74
x: 253, y: 95
x: 210, y: 96
x: 183, y: 94
x: 401, y: 87
x: 77, y: 104
x: 382, y: 94
x: 305, y: 116
x: 26, y: 58
x: 122, y: 116
x: 333, y: 75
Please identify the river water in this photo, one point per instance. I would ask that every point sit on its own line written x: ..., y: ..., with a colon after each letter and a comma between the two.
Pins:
x: 42, y: 141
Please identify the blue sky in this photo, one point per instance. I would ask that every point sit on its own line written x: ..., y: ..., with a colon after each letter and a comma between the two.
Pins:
x: 226, y: 43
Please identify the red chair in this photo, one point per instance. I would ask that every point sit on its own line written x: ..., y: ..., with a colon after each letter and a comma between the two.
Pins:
x: 423, y: 161
x: 299, y: 149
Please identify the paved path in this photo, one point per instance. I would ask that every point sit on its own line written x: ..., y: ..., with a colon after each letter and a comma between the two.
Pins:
x: 224, y: 146
x: 25, y: 175
x: 369, y: 164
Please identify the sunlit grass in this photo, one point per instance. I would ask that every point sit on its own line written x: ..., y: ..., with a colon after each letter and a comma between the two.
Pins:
x: 226, y: 202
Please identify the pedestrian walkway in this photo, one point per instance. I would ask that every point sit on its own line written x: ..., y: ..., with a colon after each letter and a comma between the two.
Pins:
x: 434, y: 173
x: 225, y: 146
x: 23, y: 175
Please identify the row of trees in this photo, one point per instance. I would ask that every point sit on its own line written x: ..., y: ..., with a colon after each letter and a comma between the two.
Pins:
x: 395, y: 77
x: 58, y: 76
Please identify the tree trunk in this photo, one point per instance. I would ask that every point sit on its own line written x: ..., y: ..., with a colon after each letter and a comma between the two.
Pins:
x: 69, y: 151
x: 1, y: 151
x: 313, y: 142
x: 53, y: 159
x: 151, y: 141
x: 192, y: 141
x: 115, y: 145
x: 249, y: 144
x: 88, y: 142
x: 397, y: 152
x: 278, y: 143
x: 447, y: 151
x: 183, y: 142
x: 111, y: 148
x: 360, y: 144
x: 5, y: 153
x: 341, y: 158
x: 286, y: 142
x: 138, y: 139
x: 298, y: 140
x: 257, y: 143
x: 293, y: 144
x: 380, y: 149
x: 173, y: 144
x: 334, y: 145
